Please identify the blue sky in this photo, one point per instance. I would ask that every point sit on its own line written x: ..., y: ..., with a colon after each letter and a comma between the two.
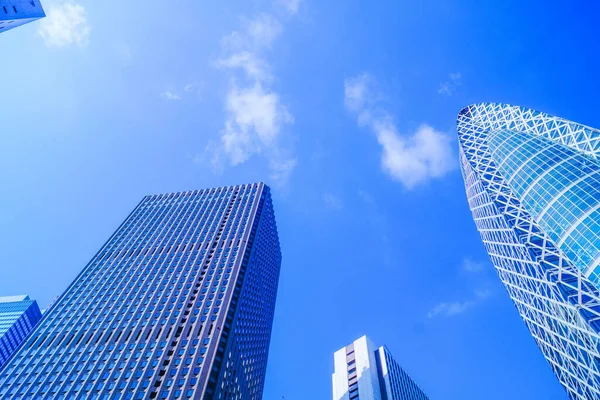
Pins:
x: 347, y: 109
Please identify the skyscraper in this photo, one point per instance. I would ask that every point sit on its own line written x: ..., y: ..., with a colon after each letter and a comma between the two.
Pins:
x: 178, y: 304
x: 15, y: 13
x: 364, y: 372
x: 533, y: 185
x: 18, y: 316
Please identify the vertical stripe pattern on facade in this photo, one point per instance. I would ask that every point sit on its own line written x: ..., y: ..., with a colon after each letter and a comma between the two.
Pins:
x: 177, y: 304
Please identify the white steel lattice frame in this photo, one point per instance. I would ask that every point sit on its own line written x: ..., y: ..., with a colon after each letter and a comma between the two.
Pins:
x: 559, y: 305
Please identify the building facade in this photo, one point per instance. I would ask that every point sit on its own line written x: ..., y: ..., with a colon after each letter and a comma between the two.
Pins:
x: 365, y: 372
x: 18, y: 317
x: 15, y: 13
x: 178, y: 304
x: 533, y: 186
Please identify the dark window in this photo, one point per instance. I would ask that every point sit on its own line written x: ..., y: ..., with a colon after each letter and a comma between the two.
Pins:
x: 15, y: 8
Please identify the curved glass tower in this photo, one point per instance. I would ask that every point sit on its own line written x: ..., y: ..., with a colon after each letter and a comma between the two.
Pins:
x: 533, y: 186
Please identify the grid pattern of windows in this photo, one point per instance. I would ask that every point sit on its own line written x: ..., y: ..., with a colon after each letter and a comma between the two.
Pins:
x: 18, y: 316
x: 398, y: 385
x: 15, y: 13
x: 519, y: 166
x: 177, y: 304
x: 560, y: 187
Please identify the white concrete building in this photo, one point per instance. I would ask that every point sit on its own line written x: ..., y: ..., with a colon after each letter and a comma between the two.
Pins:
x: 365, y: 372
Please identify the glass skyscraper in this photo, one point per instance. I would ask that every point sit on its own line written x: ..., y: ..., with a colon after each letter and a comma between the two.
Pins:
x: 18, y: 316
x: 178, y: 304
x: 533, y: 185
x: 15, y: 13
x: 364, y: 372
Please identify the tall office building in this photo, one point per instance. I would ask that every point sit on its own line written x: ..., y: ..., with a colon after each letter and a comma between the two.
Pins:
x: 18, y: 316
x: 364, y: 372
x: 15, y: 13
x: 533, y: 185
x: 178, y: 304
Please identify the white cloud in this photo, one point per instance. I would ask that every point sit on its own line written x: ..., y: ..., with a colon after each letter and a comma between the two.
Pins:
x: 470, y: 265
x: 446, y: 88
x: 416, y: 158
x: 458, y: 307
x: 455, y: 77
x: 170, y: 95
x: 254, y: 67
x: 449, y: 87
x: 258, y: 34
x: 191, y: 87
x: 332, y: 202
x: 255, y: 118
x: 410, y: 159
x: 358, y: 91
x: 194, y: 87
x: 65, y: 24
x: 281, y: 169
x: 254, y: 108
x: 449, y: 309
x: 290, y: 6
x: 263, y: 30
x: 255, y: 114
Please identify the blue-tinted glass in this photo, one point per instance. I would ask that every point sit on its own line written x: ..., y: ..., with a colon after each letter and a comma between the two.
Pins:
x: 130, y: 312
x: 533, y: 185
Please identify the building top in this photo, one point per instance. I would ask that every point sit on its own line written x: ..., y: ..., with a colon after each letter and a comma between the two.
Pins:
x: 364, y: 371
x: 533, y: 186
x: 204, y: 190
x: 14, y: 299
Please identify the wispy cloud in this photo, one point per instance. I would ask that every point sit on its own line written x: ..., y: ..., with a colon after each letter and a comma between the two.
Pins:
x: 170, y: 95
x: 449, y: 309
x: 292, y: 6
x: 411, y: 159
x: 449, y: 87
x: 256, y: 117
x: 332, y: 202
x: 281, y: 169
x: 253, y: 66
x: 194, y: 87
x: 65, y: 24
x: 470, y: 265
